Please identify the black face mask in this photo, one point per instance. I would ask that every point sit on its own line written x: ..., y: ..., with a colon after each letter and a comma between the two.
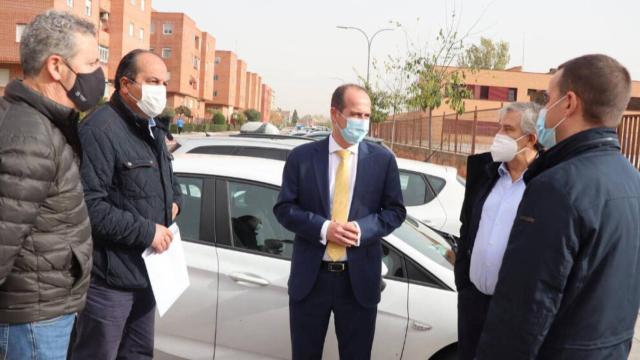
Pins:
x: 87, y: 90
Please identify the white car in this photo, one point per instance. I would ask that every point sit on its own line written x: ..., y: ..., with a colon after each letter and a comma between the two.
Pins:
x: 236, y: 306
x: 432, y: 193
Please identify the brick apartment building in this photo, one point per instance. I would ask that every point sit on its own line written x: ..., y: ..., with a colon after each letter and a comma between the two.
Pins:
x: 195, y: 80
x: 190, y: 57
x: 241, y: 86
x: 266, y: 101
x: 492, y: 88
x: 122, y: 25
x: 225, y: 89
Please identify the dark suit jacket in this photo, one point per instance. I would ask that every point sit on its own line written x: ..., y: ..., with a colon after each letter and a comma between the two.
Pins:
x: 303, y: 207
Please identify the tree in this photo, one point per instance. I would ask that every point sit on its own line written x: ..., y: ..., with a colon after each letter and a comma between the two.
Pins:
x: 252, y: 115
x: 379, y: 102
x: 168, y: 112
x: 183, y: 110
x: 239, y: 118
x: 488, y: 55
x: 432, y: 78
x: 219, y: 119
x: 295, y: 117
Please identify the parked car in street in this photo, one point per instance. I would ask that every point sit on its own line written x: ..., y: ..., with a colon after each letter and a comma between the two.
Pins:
x: 432, y: 193
x: 238, y: 257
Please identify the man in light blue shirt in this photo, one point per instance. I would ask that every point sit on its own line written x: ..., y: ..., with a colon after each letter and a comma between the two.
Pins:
x: 495, y: 187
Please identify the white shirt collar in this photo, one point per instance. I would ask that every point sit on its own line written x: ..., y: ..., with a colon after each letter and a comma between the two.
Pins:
x: 333, y: 146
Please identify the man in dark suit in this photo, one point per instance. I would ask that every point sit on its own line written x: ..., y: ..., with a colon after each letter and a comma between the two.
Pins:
x: 340, y: 196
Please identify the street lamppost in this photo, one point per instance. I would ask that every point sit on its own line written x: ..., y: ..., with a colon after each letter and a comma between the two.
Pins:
x: 369, y: 41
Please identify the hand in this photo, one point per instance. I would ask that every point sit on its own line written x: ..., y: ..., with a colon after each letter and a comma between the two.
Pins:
x: 162, y: 239
x: 342, y: 234
x: 174, y: 211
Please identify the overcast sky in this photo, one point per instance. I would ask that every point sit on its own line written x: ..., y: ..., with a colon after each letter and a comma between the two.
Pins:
x: 297, y: 49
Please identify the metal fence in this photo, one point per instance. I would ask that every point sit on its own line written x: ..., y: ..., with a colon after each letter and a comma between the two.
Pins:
x: 629, y: 134
x: 472, y: 132
x: 467, y: 133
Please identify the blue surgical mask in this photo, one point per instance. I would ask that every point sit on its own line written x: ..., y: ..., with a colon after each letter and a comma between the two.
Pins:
x: 547, y: 137
x: 355, y: 131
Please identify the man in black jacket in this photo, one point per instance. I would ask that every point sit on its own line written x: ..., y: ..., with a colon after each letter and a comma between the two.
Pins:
x: 132, y: 196
x: 569, y: 286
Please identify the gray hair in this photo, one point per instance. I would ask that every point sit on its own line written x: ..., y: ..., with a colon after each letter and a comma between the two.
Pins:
x: 51, y: 33
x: 528, y: 114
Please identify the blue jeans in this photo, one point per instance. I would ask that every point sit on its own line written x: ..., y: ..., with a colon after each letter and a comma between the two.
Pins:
x: 41, y: 340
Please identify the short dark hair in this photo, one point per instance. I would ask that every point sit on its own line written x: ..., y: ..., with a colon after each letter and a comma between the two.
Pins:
x: 337, y: 99
x: 128, y: 67
x: 602, y: 84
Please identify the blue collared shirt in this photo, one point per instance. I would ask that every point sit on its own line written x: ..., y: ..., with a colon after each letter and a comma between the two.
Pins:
x: 152, y: 124
x: 498, y: 213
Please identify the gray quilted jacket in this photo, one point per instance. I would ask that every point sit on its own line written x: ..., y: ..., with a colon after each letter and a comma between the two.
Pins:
x: 45, y: 235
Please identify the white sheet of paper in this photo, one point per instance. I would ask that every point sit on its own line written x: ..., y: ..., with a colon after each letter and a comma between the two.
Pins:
x: 167, y: 272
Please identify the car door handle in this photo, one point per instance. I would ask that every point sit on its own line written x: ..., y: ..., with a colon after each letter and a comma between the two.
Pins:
x: 420, y: 326
x: 248, y: 279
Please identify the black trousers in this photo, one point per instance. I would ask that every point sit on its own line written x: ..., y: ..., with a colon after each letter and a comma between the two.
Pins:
x: 472, y: 313
x: 309, y: 320
x: 115, y: 324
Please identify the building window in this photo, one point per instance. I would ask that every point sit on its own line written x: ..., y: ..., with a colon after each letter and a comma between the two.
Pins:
x: 218, y: 60
x: 4, y: 77
x: 131, y: 27
x: 142, y: 5
x: 167, y: 29
x: 19, y: 31
x: 141, y: 33
x: 215, y: 93
x: 87, y: 7
x: 152, y: 28
x: 215, y: 77
x: 512, y: 94
x: 196, y: 63
x: 166, y: 53
x: 484, y: 92
x: 70, y: 3
x: 197, y: 42
x: 104, y: 54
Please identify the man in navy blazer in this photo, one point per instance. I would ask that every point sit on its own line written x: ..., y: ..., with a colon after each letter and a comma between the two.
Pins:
x: 340, y: 196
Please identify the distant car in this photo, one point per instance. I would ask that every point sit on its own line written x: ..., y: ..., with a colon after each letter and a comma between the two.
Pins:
x: 257, y: 127
x: 236, y: 306
x: 432, y: 193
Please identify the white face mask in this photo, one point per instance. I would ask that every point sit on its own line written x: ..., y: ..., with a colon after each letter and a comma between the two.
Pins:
x: 153, y: 101
x: 505, y: 148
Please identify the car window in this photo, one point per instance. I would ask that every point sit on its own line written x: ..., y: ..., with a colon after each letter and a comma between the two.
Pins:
x: 424, y: 243
x: 437, y: 184
x: 416, y: 274
x: 190, y: 212
x: 213, y: 150
x: 394, y: 262
x: 253, y: 223
x: 414, y: 189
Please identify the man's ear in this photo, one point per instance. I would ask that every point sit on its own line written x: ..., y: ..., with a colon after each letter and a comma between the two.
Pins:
x: 53, y: 65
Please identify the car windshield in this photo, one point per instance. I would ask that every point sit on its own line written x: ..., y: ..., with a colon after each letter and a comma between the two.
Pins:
x: 426, y: 244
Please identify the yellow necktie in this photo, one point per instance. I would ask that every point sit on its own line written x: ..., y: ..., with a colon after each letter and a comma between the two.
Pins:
x: 340, y: 205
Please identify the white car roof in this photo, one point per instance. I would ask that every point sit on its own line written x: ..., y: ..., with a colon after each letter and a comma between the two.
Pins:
x: 254, y: 169
x: 187, y: 144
